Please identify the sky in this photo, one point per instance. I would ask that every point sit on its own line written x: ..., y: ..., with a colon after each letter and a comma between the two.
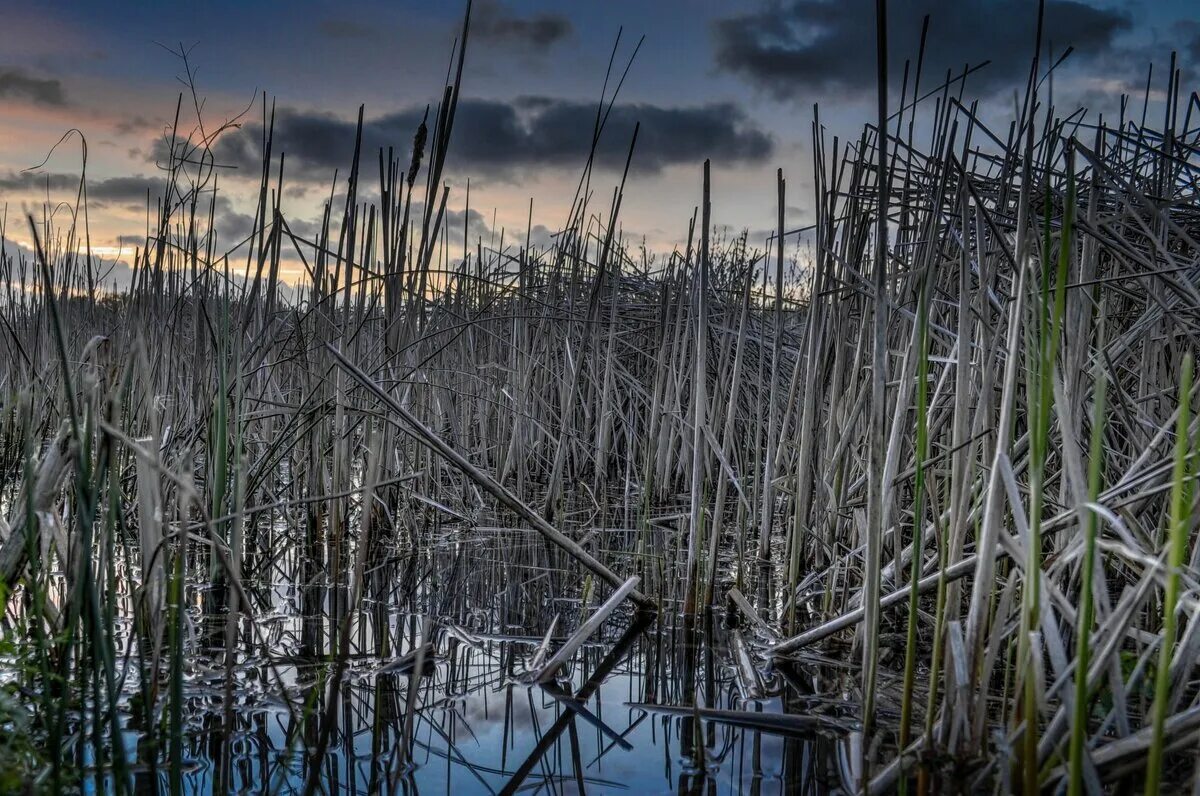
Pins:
x: 732, y: 82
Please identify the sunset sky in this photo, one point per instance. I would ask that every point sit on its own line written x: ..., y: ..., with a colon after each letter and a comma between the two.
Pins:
x: 734, y: 82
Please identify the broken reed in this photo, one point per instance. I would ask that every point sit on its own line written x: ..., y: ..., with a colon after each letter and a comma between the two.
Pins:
x: 214, y: 423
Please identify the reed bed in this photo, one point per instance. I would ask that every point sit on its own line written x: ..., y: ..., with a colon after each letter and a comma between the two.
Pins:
x: 930, y: 475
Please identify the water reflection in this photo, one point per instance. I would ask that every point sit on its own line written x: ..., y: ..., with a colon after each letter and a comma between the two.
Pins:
x: 637, y: 710
x: 478, y: 729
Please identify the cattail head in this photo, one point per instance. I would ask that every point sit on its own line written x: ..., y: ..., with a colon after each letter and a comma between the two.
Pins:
x: 418, y: 149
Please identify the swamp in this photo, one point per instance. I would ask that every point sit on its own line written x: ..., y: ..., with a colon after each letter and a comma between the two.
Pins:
x: 900, y: 500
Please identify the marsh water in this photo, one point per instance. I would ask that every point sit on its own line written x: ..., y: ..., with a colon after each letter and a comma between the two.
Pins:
x: 618, y: 719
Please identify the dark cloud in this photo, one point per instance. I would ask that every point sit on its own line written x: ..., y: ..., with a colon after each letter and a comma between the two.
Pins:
x: 790, y: 49
x: 126, y: 190
x: 15, y: 251
x: 507, y: 138
x: 33, y: 182
x: 18, y: 83
x: 470, y: 221
x: 492, y: 21
x: 233, y: 226
x: 129, y: 125
x: 1189, y: 30
x: 113, y: 190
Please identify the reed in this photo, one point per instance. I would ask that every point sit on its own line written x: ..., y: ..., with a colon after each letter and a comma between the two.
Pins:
x: 1177, y: 542
x: 900, y: 457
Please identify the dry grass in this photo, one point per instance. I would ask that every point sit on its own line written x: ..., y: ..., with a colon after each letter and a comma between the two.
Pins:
x: 903, y: 424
